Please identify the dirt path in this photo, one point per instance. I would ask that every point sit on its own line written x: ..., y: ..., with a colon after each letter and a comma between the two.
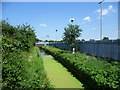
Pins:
x: 58, y: 75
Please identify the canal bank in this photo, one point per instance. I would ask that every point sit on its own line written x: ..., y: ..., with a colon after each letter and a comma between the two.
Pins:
x: 58, y: 75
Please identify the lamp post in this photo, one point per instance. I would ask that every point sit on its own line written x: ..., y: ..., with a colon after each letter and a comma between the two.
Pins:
x: 101, y: 19
x: 118, y: 19
x: 56, y: 35
x: 72, y: 19
x: 48, y: 37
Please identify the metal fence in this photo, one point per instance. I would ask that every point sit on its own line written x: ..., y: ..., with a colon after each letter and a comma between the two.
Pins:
x: 61, y: 45
x: 103, y: 48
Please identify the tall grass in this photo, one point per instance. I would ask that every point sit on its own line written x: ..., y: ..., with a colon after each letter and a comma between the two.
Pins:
x: 23, y: 70
x: 35, y: 76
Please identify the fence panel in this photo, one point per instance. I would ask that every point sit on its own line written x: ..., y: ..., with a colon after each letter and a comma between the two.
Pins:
x: 105, y: 48
x: 102, y: 48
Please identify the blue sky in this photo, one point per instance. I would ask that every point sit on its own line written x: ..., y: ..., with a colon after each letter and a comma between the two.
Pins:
x: 47, y: 17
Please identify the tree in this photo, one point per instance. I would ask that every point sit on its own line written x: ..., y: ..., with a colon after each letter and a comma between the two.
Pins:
x: 83, y: 40
x: 92, y: 39
x: 26, y: 36
x: 78, y: 40
x: 22, y: 36
x: 46, y: 40
x: 72, y: 32
x: 51, y: 41
x: 105, y: 38
x: 38, y: 40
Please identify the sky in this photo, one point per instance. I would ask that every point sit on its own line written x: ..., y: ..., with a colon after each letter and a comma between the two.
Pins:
x: 47, y: 17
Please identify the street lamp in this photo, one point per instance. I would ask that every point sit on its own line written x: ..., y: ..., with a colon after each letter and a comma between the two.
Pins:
x: 48, y: 37
x: 101, y: 19
x: 72, y: 19
x: 56, y: 35
x: 118, y: 20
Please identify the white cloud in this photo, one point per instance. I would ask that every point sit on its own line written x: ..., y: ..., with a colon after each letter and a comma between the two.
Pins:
x: 43, y: 25
x: 104, y: 11
x: 110, y: 7
x: 87, y: 19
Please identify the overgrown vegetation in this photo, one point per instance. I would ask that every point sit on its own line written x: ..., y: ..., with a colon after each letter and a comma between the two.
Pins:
x: 96, y: 73
x: 36, y: 76
x: 21, y: 66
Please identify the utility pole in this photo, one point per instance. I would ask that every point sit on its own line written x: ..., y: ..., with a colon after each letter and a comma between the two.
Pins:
x: 56, y: 35
x: 118, y: 19
x: 72, y: 20
x: 48, y: 38
x: 101, y: 19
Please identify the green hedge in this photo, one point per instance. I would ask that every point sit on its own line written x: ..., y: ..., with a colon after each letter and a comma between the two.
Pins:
x: 94, y: 72
x: 21, y: 66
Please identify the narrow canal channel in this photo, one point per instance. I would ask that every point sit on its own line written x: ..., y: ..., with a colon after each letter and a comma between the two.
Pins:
x: 58, y: 75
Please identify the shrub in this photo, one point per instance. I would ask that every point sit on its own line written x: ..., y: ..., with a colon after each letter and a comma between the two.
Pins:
x: 95, y: 72
x: 21, y: 66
